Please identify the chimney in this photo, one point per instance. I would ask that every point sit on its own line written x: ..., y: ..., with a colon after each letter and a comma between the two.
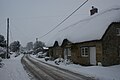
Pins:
x: 93, y: 11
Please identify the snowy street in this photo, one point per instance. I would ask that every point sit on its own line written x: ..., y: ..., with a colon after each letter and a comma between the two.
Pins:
x: 47, y: 72
x: 59, y: 39
x: 13, y: 69
x: 97, y: 72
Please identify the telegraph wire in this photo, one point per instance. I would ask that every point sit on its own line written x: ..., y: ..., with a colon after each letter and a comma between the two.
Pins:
x: 90, y: 18
x: 64, y: 19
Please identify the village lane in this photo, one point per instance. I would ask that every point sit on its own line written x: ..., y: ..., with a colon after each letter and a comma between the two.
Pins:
x: 44, y: 71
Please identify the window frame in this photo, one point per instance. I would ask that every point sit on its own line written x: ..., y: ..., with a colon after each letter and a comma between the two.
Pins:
x: 83, y: 51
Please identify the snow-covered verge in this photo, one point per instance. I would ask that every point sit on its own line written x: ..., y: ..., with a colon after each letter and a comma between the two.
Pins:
x: 98, y: 72
x: 13, y: 69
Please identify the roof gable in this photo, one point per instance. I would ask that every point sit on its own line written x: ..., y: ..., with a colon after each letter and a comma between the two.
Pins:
x: 56, y: 44
x: 109, y: 27
x: 65, y: 42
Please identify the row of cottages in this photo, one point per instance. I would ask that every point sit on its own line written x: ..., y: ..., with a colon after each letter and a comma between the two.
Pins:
x: 90, y: 41
x: 105, y: 50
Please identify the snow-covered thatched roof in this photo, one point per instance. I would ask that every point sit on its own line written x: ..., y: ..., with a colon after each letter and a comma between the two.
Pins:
x: 45, y: 48
x: 91, y: 28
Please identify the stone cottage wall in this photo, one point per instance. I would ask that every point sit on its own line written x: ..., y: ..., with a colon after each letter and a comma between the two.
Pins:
x: 111, y: 43
x: 76, y: 52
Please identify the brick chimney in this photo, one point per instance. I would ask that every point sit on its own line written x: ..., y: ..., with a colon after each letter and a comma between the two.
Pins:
x: 93, y: 11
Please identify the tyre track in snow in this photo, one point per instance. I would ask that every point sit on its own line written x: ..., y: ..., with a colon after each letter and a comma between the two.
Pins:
x: 38, y: 73
x: 46, y: 72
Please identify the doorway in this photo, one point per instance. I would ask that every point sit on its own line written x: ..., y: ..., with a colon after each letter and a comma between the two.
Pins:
x: 93, y: 55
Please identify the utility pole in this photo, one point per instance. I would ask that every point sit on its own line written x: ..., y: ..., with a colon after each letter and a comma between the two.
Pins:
x: 7, y: 54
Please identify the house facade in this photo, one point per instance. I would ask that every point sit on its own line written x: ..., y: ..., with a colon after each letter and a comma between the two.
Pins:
x: 111, y: 45
x: 105, y: 51
x: 87, y: 53
x: 66, y: 49
x: 92, y: 41
x: 62, y: 51
x: 55, y: 51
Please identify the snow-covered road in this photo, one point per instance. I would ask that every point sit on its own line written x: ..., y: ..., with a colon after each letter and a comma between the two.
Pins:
x: 13, y: 70
x: 47, y: 72
x: 98, y: 72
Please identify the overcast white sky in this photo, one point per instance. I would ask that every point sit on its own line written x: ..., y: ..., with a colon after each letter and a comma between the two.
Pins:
x: 30, y: 19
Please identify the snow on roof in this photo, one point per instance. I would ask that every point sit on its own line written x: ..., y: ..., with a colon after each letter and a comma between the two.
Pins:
x: 45, y: 48
x: 91, y: 28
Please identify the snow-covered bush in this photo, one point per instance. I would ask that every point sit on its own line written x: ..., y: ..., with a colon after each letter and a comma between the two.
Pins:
x: 58, y: 60
x: 67, y: 61
x: 47, y: 58
x: 99, y: 64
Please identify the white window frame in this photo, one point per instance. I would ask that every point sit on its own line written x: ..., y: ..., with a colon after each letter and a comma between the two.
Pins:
x: 118, y: 31
x: 83, y: 51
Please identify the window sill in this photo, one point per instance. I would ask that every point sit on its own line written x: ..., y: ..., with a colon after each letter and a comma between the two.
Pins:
x: 84, y: 55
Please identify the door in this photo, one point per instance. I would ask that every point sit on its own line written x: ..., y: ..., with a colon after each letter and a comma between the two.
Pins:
x: 93, y: 55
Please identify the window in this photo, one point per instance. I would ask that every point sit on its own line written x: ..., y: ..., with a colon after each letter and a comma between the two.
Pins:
x: 84, y: 51
x: 118, y: 31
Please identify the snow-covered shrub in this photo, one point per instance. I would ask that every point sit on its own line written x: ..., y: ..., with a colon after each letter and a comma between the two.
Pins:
x: 67, y: 61
x: 47, y: 58
x: 58, y: 60
x: 99, y: 64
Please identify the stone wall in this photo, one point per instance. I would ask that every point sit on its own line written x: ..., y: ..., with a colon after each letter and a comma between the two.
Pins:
x: 111, y: 43
x: 76, y: 52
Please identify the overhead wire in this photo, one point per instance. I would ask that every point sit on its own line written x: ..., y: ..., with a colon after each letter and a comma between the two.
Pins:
x: 90, y: 18
x: 64, y: 19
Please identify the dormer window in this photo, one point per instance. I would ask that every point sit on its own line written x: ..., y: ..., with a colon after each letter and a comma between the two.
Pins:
x: 118, y: 31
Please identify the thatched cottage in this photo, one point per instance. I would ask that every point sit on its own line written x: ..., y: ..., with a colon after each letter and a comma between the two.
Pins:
x: 105, y: 50
x: 93, y: 40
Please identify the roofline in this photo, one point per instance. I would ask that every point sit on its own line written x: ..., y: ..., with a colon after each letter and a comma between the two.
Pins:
x: 109, y: 28
x: 87, y: 41
x: 63, y: 42
x: 97, y: 40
